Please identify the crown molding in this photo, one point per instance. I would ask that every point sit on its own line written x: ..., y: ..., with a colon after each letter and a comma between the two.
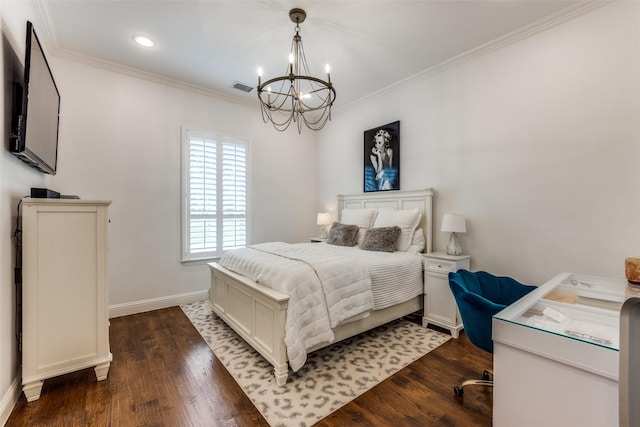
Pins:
x: 44, y: 16
x: 527, y: 31
x: 151, y: 77
x: 46, y: 31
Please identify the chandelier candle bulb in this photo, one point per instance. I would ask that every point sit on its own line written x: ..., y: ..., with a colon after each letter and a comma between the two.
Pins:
x: 328, y: 71
x: 259, y: 76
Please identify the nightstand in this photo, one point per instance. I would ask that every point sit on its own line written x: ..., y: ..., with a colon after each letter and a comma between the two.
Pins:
x: 440, y: 307
x: 317, y: 240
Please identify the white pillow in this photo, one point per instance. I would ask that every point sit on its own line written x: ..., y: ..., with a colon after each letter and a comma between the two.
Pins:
x: 406, y: 219
x: 417, y: 243
x: 363, y: 218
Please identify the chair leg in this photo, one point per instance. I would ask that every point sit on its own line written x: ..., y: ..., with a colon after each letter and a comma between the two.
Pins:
x: 485, y: 381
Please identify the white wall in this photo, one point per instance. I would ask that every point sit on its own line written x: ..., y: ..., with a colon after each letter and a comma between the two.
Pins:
x: 120, y: 141
x: 536, y: 143
x: 16, y: 180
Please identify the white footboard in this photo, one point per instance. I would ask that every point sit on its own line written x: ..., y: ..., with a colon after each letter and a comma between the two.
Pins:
x: 257, y: 313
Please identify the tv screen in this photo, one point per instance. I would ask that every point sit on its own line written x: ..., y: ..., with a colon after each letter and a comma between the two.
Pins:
x: 35, y: 139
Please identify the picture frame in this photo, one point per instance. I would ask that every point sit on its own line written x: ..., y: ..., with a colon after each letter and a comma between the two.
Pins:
x: 382, y: 158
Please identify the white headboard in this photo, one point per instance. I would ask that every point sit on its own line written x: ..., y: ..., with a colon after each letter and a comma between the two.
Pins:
x: 400, y: 199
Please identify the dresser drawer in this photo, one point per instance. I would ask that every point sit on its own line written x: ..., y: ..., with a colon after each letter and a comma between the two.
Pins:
x: 439, y: 265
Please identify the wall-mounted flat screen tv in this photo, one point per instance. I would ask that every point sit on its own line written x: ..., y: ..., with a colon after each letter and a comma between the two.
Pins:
x: 37, y: 110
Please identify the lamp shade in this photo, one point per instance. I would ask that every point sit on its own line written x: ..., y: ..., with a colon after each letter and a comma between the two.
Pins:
x: 453, y: 223
x: 323, y: 218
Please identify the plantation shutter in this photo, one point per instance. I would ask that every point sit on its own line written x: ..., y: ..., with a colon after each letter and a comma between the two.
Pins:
x: 215, y: 195
x: 234, y: 195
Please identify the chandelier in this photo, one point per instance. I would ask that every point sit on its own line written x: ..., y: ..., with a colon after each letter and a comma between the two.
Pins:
x: 296, y: 96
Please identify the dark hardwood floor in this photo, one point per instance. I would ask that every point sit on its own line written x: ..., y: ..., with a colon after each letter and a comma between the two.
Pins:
x: 164, y: 374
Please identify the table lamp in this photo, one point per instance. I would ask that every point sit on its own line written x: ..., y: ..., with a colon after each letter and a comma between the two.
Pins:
x: 453, y: 223
x: 323, y: 220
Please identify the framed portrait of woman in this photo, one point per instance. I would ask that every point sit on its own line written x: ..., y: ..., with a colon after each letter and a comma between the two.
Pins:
x: 382, y: 158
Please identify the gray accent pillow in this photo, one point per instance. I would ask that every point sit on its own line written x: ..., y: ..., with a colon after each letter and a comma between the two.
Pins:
x: 383, y: 239
x: 343, y: 234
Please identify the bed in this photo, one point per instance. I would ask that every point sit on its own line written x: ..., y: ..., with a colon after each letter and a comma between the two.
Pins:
x: 258, y: 313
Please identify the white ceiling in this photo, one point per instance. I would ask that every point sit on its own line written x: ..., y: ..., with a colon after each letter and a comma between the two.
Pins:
x: 211, y: 44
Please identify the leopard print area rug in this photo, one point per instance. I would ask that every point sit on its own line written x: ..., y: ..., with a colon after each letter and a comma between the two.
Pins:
x: 330, y: 378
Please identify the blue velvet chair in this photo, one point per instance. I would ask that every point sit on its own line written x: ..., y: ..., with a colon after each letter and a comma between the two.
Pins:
x: 480, y: 295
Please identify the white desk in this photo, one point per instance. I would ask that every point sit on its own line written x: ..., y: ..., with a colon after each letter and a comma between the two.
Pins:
x: 546, y: 373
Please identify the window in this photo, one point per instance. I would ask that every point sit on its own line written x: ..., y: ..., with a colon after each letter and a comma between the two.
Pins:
x: 214, y: 194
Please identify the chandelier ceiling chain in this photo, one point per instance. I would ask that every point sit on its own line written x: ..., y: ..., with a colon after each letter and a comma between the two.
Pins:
x: 296, y: 96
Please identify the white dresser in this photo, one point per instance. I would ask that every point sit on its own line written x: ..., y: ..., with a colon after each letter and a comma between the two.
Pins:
x: 440, y: 307
x: 65, y: 324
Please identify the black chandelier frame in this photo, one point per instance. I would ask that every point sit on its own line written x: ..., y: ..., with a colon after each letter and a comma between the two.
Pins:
x: 299, y: 97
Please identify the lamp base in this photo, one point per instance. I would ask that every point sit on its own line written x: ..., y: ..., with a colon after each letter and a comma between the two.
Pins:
x: 454, y: 247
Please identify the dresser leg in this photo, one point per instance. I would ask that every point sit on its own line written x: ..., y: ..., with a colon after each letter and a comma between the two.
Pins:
x: 32, y: 390
x: 102, y: 371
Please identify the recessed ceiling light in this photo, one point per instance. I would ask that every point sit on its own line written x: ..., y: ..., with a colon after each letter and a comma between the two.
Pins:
x: 143, y: 41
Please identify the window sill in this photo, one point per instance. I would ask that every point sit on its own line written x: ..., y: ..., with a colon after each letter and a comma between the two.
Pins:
x: 198, y: 261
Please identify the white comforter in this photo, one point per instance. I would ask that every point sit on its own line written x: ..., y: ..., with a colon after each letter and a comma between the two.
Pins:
x: 324, y: 287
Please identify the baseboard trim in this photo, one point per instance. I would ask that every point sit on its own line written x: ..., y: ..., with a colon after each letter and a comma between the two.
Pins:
x: 126, y: 309
x: 9, y: 400
x: 12, y: 394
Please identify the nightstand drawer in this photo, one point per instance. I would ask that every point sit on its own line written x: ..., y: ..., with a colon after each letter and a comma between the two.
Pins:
x: 439, y: 265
